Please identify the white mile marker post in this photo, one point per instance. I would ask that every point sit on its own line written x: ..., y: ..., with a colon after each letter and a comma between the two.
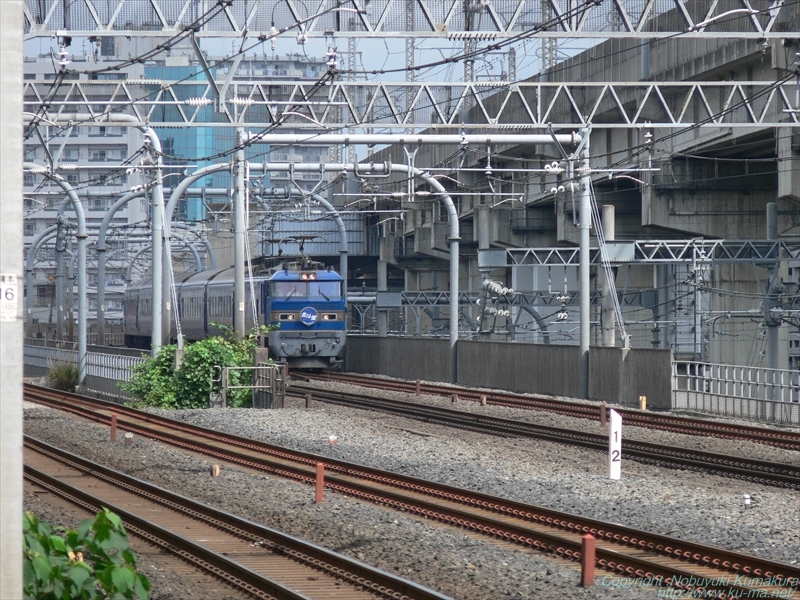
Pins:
x: 615, y: 446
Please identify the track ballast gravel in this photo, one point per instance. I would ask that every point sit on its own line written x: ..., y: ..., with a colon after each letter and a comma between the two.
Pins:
x: 694, y: 506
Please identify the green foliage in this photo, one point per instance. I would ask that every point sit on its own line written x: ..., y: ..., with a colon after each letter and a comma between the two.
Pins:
x: 91, y: 563
x: 156, y: 383
x: 63, y: 377
x: 153, y: 382
x: 194, y: 377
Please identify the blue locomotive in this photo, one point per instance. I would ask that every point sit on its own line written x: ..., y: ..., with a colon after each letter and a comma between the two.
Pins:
x: 303, y: 298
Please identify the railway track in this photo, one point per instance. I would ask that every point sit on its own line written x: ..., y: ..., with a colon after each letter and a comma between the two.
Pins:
x: 666, y: 422
x: 620, y: 550
x: 771, y: 473
x: 254, y: 559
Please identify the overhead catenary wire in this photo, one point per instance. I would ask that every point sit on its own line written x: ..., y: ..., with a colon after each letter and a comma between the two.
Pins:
x: 261, y: 39
x: 524, y: 34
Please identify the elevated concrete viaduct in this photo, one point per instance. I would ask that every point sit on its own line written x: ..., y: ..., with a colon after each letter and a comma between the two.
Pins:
x: 712, y: 179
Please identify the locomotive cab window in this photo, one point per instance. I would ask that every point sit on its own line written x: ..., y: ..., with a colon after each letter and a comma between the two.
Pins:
x: 324, y: 289
x: 289, y: 289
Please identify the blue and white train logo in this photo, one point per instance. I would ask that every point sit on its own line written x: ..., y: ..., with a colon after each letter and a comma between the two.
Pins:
x: 308, y: 316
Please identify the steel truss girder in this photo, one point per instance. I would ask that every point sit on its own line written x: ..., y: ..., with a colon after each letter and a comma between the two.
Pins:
x: 375, y: 105
x: 489, y: 20
x: 764, y: 252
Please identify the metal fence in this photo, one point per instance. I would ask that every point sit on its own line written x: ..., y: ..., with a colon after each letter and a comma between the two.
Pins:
x: 44, y: 359
x: 266, y: 382
x: 737, y: 391
x: 103, y: 371
x: 111, y: 366
x: 111, y: 339
x: 107, y: 366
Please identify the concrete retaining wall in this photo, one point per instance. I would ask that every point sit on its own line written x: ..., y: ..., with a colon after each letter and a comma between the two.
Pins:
x: 647, y: 372
x: 96, y: 387
x: 616, y: 375
x: 606, y: 374
x: 406, y: 358
x: 105, y: 389
x: 31, y: 371
x: 622, y: 375
x: 530, y: 368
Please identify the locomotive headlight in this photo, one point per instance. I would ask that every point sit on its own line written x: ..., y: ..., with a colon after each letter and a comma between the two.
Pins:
x: 287, y: 316
x: 329, y: 316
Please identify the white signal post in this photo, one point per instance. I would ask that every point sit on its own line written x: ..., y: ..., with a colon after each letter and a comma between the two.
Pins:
x: 615, y: 446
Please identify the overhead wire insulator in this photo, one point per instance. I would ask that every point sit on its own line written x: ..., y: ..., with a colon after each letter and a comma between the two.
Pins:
x: 273, y: 33
x: 332, y: 64
x: 553, y: 168
x: 63, y: 53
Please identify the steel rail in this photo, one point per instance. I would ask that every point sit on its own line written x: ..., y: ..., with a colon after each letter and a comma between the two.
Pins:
x: 375, y: 583
x: 621, y: 550
x: 781, y: 474
x: 666, y: 422
x: 200, y: 557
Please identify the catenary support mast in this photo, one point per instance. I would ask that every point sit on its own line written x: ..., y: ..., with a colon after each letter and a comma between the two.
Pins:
x: 11, y: 324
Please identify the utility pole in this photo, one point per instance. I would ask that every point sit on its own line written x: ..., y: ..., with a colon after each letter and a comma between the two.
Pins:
x: 11, y: 322
x: 382, y: 287
x: 61, y: 235
x: 585, y: 225
x: 607, y: 317
x: 157, y: 201
x: 239, y: 233
x: 70, y: 294
x: 771, y: 322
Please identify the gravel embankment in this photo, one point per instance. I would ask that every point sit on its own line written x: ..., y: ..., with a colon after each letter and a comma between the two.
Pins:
x: 705, y: 443
x: 694, y: 506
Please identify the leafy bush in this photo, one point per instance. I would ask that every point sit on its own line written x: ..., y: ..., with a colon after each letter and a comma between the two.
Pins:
x: 153, y: 381
x: 63, y: 377
x: 157, y: 384
x: 91, y: 563
x: 193, y: 379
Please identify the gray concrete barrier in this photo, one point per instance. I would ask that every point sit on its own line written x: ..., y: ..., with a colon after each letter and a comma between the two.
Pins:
x: 528, y: 368
x: 616, y: 375
x: 403, y: 357
x: 647, y: 372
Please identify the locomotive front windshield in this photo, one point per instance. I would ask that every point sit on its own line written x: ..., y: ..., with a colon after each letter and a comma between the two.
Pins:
x: 306, y: 289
